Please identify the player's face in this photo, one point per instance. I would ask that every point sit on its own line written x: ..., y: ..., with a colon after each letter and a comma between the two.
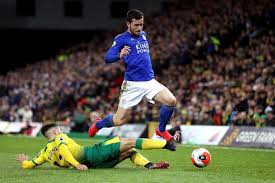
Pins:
x: 54, y: 131
x: 135, y: 27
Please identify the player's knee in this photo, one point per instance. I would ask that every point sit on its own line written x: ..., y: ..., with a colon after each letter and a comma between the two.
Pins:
x: 172, y: 101
x: 119, y: 122
x: 130, y: 143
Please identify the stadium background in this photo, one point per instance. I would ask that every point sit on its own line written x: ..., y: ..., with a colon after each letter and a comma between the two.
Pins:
x: 217, y: 57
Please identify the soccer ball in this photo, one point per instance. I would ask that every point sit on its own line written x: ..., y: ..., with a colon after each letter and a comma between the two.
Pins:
x: 201, y: 157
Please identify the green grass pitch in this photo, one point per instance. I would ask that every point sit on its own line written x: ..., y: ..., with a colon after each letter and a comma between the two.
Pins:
x: 228, y: 165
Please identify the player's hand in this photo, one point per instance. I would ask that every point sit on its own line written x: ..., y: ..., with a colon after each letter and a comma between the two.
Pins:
x: 22, y: 157
x: 81, y: 167
x: 125, y: 51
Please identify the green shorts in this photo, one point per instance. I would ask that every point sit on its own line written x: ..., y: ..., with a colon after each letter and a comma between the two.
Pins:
x: 103, y: 155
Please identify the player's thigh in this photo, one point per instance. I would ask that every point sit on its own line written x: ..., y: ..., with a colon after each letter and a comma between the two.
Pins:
x: 121, y: 116
x: 127, y: 144
x: 104, y: 155
x: 165, y: 97
x: 131, y: 94
x: 111, y: 150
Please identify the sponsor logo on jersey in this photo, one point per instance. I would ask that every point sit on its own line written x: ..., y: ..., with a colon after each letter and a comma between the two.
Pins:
x: 142, y: 48
x: 51, y: 153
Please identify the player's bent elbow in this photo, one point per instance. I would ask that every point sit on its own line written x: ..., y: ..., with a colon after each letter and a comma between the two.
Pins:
x: 109, y: 60
x: 106, y: 60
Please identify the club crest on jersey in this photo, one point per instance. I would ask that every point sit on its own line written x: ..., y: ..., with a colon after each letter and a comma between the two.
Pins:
x: 114, y: 43
x: 61, y: 139
x: 143, y: 36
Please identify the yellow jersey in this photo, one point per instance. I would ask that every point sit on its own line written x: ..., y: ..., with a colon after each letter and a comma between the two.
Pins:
x: 62, y: 151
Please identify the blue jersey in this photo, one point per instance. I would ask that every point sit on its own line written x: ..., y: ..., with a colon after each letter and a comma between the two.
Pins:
x: 137, y: 62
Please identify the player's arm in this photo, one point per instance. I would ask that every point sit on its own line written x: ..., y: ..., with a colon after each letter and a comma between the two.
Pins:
x: 26, y: 164
x: 61, y: 142
x: 67, y: 155
x: 117, y: 51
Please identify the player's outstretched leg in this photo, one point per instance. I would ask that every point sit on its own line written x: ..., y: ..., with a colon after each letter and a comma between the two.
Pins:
x: 145, y: 144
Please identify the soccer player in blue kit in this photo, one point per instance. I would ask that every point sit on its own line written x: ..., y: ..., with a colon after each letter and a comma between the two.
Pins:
x: 132, y: 47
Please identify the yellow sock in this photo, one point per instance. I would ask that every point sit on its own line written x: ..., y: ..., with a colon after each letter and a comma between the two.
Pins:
x: 139, y: 160
x: 150, y: 144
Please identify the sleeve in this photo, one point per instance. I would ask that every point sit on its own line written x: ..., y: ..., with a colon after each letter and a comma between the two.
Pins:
x: 62, y: 142
x: 112, y: 54
x: 38, y: 160
x: 67, y: 155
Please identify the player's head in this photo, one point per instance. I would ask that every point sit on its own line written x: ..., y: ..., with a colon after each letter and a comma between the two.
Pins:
x: 50, y: 130
x: 134, y: 21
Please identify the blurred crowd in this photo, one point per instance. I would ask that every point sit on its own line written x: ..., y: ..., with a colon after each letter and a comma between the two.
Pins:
x: 217, y: 57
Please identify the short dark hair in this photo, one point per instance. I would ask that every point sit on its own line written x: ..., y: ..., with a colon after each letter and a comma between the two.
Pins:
x: 45, y: 128
x: 133, y: 14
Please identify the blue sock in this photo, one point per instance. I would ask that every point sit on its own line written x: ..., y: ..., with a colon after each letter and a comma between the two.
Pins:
x: 105, y: 122
x: 165, y: 115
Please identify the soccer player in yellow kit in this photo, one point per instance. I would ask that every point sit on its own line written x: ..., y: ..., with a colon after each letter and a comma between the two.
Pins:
x: 65, y: 152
